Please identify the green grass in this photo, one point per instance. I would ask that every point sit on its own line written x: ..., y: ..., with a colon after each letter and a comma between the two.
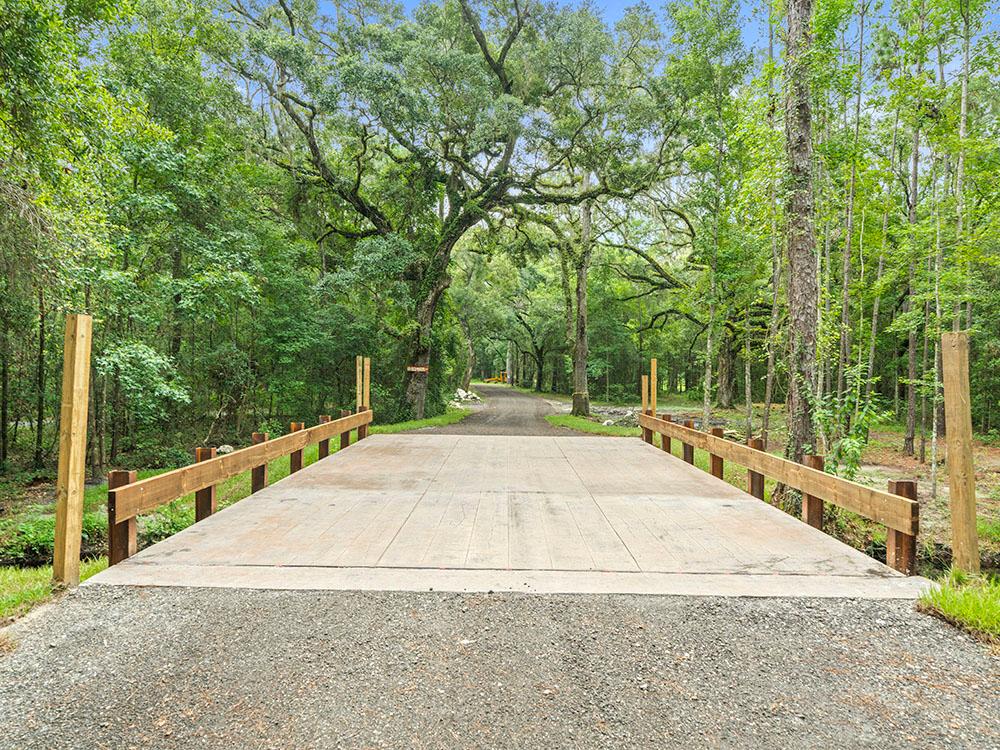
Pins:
x: 582, y: 424
x: 23, y: 588
x: 451, y: 416
x: 989, y: 530
x: 971, y: 603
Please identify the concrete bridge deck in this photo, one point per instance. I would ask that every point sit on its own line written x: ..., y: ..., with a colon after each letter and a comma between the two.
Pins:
x: 480, y: 513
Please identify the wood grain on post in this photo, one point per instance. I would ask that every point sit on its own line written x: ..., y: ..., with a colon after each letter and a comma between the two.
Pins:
x: 665, y: 439
x: 901, y: 548
x: 961, y: 472
x: 359, y: 400
x: 716, y: 462
x: 122, y: 540
x: 812, y: 507
x: 754, y: 478
x: 688, y: 449
x: 647, y: 434
x: 345, y: 437
x: 324, y: 445
x: 366, y: 392
x: 295, y: 457
x: 72, y: 449
x: 204, y: 499
x: 653, y: 386
x: 258, y: 474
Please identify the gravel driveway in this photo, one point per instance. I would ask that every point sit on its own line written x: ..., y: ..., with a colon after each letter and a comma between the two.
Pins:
x: 178, y: 668
x: 506, y: 412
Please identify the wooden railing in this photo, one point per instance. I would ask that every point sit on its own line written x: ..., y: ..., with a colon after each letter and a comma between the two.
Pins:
x: 127, y: 498
x: 897, y: 509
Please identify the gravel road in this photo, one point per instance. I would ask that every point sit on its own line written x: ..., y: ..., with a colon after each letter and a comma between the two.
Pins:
x: 506, y: 412
x: 178, y: 668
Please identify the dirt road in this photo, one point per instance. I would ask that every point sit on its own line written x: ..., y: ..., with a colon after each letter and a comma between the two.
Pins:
x: 506, y: 412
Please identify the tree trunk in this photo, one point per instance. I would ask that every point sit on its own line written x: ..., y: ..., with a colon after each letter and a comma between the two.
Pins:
x: 420, y: 349
x: 40, y: 383
x: 772, y: 326
x: 845, y: 303
x: 539, y: 368
x: 581, y: 351
x: 4, y: 393
x: 911, y: 340
x: 726, y: 391
x: 802, y: 276
x: 470, y: 353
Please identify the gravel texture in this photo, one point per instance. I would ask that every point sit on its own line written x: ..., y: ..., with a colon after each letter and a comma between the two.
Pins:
x: 122, y: 667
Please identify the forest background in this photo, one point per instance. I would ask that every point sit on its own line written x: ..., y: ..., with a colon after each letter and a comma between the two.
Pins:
x: 247, y: 194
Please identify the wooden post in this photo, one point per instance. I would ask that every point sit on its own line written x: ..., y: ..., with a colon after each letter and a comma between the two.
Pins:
x: 647, y: 434
x: 358, y: 384
x: 295, y: 457
x: 324, y: 445
x: 665, y: 439
x: 688, y: 450
x: 258, y: 474
x: 900, y: 548
x: 345, y: 437
x: 756, y: 479
x: 72, y: 449
x: 122, y: 542
x: 961, y: 472
x: 653, y: 385
x: 365, y: 395
x: 716, y: 462
x: 812, y: 507
x: 204, y: 499
x: 367, y: 389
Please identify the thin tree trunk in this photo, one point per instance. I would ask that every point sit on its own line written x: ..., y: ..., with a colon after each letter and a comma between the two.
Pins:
x: 581, y: 349
x: 40, y: 382
x: 845, y: 303
x: 772, y: 326
x: 802, y: 277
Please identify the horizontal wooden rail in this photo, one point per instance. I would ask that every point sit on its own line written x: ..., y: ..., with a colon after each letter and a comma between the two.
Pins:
x: 896, y: 512
x: 130, y: 500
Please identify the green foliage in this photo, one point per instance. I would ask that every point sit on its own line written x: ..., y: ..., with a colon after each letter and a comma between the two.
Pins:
x: 29, y: 542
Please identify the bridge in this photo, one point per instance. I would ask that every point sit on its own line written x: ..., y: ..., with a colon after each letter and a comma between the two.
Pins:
x: 480, y: 513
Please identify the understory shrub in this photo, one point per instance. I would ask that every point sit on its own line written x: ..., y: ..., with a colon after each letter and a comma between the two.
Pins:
x: 29, y: 542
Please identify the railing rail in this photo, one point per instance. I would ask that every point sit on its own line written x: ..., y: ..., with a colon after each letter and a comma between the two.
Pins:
x: 897, y: 510
x: 128, y: 498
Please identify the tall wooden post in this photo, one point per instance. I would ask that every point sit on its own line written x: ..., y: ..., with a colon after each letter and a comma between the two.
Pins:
x: 358, y: 384
x: 647, y: 434
x: 653, y: 386
x: 72, y: 449
x: 900, y: 548
x: 258, y: 474
x: 961, y: 473
x: 812, y: 507
x: 365, y: 393
x: 122, y: 540
x: 204, y: 499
